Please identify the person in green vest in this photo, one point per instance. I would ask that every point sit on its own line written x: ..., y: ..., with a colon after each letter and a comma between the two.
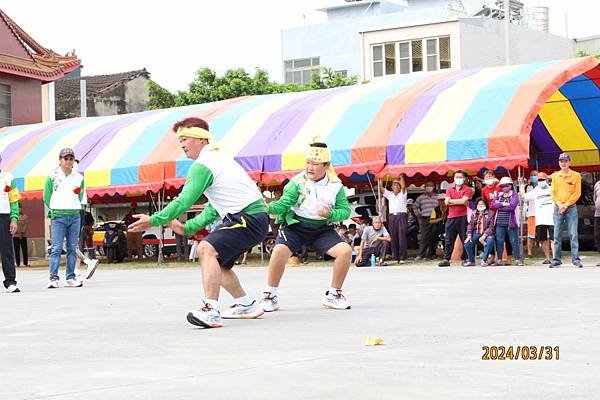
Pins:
x: 9, y: 215
x: 311, y: 202
x: 63, y: 192
x: 234, y: 199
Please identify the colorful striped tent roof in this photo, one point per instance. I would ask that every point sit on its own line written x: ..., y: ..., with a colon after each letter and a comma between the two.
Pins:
x: 421, y: 123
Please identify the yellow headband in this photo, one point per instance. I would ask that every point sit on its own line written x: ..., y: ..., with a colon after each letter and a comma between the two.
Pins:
x: 194, y: 132
x: 318, y: 154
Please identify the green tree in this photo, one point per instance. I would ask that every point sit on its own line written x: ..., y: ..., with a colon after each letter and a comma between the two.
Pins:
x: 159, y: 96
x: 207, y: 86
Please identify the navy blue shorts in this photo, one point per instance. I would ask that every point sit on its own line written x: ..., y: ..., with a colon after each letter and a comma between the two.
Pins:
x: 320, y: 238
x: 237, y: 234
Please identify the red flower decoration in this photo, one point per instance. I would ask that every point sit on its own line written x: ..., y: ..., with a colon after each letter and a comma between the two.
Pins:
x: 7, y: 189
x: 77, y: 190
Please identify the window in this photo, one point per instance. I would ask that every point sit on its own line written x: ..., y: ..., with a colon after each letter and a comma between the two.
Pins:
x: 404, y: 56
x: 5, y: 106
x: 390, y: 58
x: 384, y: 59
x: 430, y: 54
x: 445, y: 52
x: 343, y: 73
x: 377, y: 61
x: 417, y: 55
x: 300, y: 71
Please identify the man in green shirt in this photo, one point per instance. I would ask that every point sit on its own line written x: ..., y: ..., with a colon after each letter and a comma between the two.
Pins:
x: 234, y: 199
x: 310, y: 203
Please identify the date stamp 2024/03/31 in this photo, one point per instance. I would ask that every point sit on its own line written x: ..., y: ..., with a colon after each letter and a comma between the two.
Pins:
x: 520, y: 353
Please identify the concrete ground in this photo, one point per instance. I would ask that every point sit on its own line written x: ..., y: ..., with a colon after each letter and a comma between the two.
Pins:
x: 124, y: 336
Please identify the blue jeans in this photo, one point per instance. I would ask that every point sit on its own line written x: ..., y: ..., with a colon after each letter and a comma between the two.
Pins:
x: 568, y: 220
x: 472, y: 245
x: 64, y: 227
x: 513, y: 236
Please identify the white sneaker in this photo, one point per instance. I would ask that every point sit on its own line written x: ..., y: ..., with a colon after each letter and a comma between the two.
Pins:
x: 335, y: 301
x: 73, y: 283
x: 239, y: 311
x: 269, y: 303
x: 53, y: 284
x: 206, y: 317
x: 12, y: 289
x: 91, y: 268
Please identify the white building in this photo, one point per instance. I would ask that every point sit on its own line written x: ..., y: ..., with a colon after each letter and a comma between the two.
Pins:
x: 412, y: 36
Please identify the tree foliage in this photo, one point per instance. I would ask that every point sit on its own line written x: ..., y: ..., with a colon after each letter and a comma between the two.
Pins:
x: 236, y: 82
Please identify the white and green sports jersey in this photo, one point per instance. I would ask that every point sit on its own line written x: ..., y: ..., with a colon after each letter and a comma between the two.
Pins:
x: 8, y: 187
x: 63, y: 193
x: 225, y: 184
x: 302, y: 198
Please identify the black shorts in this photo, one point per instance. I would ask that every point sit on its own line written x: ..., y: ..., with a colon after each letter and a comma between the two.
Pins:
x: 237, y: 234
x: 544, y: 232
x: 320, y: 238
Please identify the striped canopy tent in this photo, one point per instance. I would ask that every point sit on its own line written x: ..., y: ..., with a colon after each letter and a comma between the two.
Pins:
x: 423, y: 123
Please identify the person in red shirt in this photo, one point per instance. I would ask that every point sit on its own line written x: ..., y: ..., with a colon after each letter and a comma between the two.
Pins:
x: 490, y: 189
x: 457, y: 199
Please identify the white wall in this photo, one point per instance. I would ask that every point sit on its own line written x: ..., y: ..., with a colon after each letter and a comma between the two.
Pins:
x: 482, y: 44
x: 590, y: 46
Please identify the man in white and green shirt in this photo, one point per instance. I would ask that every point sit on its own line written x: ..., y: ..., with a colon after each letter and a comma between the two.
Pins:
x: 234, y: 199
x: 9, y: 214
x: 63, y: 193
x: 311, y: 202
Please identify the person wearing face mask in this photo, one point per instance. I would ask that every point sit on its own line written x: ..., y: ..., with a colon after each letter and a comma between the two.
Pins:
x: 541, y: 197
x: 480, y: 231
x: 457, y: 199
x: 507, y: 221
x: 424, y: 205
x: 531, y: 224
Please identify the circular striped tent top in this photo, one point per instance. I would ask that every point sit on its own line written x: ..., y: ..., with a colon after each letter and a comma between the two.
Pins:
x: 423, y: 123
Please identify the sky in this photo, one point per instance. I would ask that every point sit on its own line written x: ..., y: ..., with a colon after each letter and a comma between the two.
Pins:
x: 173, y: 39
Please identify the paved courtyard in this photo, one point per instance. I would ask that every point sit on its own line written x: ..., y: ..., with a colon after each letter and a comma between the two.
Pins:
x: 124, y: 336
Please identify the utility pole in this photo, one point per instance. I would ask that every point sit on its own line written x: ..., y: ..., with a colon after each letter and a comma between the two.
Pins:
x: 506, y: 32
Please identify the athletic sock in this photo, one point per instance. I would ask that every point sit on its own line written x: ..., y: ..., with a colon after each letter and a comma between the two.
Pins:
x: 273, y: 290
x: 245, y: 300
x: 333, y: 290
x: 213, y: 303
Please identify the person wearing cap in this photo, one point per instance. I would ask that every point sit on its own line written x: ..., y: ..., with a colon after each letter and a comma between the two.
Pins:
x: 9, y: 215
x: 64, y: 191
x: 506, y: 205
x: 541, y: 199
x: 424, y: 205
x: 234, y: 199
x: 398, y: 218
x: 457, y: 199
x: 566, y: 190
x: 134, y: 239
x: 596, y: 198
x: 311, y: 202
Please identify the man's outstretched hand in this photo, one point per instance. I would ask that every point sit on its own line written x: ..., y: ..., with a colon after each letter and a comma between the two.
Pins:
x: 141, y: 225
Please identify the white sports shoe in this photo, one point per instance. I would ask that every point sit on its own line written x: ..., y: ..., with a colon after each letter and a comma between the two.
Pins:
x: 12, y: 289
x: 239, y: 311
x: 336, y: 301
x: 206, y: 317
x: 91, y: 268
x: 73, y: 283
x: 269, y: 303
x: 53, y: 284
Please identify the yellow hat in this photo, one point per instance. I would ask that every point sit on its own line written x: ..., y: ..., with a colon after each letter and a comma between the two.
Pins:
x: 322, y: 155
